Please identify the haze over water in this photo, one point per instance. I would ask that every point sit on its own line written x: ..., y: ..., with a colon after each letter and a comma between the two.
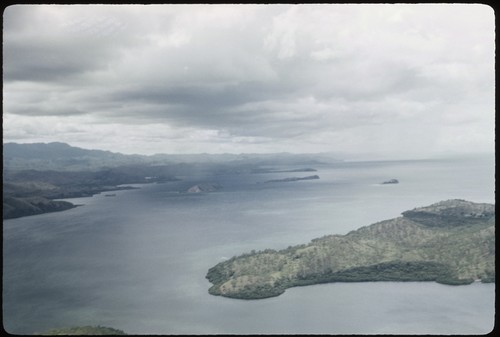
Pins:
x: 137, y: 261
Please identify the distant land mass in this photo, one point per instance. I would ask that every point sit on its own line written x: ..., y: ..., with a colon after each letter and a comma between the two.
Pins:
x: 306, y: 169
x: 450, y: 242
x: 284, y: 180
x: 64, y: 157
x: 35, y: 174
x: 272, y: 170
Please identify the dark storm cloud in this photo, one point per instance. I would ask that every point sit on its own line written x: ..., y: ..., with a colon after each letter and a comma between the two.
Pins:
x: 43, y: 62
x: 42, y: 45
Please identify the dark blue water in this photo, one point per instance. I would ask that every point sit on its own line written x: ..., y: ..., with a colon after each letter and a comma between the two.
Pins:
x: 138, y: 261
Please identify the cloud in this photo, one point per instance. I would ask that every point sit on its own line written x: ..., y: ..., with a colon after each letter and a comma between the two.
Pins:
x: 253, y: 77
x: 52, y: 46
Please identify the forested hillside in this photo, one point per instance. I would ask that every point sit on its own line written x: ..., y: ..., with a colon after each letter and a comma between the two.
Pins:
x: 451, y: 242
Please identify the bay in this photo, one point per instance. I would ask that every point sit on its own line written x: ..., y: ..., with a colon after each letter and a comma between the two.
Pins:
x: 137, y: 261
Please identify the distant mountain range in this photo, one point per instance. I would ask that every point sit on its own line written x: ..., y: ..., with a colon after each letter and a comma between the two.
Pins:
x: 51, y: 151
x: 63, y: 157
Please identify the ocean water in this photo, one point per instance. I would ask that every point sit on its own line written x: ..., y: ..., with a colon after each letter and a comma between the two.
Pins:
x: 137, y: 261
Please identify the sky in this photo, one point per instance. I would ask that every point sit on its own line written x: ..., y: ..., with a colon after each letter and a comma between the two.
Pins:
x: 387, y: 80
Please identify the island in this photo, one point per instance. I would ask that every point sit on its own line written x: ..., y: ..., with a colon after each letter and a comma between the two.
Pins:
x: 292, y: 179
x: 450, y: 242
x: 390, y: 181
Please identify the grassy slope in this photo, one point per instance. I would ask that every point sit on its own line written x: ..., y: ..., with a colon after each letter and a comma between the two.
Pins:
x: 84, y: 330
x: 454, y: 245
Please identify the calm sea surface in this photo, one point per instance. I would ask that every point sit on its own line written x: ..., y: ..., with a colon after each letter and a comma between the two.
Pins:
x: 137, y: 261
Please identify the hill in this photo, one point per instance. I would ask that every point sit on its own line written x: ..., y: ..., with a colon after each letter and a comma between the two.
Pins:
x: 450, y: 242
x: 30, y: 192
x: 34, y: 174
x: 18, y: 207
x: 204, y: 187
x: 84, y: 331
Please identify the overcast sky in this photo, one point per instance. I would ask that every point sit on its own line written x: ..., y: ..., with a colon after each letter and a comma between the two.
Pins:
x: 390, y: 80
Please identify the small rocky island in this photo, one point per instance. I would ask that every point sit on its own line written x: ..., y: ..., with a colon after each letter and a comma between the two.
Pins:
x: 390, y: 181
x: 204, y: 187
x: 450, y: 242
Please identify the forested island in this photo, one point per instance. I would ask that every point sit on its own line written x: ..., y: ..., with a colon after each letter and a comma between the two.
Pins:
x: 450, y: 242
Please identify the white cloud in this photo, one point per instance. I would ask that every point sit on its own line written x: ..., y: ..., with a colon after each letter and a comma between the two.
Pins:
x: 251, y: 78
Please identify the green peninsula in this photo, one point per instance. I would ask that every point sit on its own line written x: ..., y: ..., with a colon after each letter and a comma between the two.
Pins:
x: 450, y: 242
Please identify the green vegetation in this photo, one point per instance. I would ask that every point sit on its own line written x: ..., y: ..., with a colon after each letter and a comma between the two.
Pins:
x: 84, y: 330
x: 18, y: 207
x: 35, y: 174
x: 454, y: 245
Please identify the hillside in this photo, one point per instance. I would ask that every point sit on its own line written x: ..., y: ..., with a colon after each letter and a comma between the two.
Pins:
x: 18, y: 207
x: 30, y: 192
x: 450, y: 242
x: 84, y: 331
x: 34, y: 174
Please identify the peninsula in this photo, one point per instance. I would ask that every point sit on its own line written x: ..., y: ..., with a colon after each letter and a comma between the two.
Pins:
x: 204, y: 187
x: 450, y: 242
x: 284, y: 180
